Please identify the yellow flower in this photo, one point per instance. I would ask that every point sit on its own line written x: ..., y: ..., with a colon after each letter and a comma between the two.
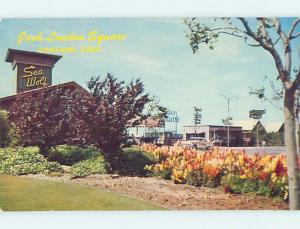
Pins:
x: 274, y: 177
x: 241, y: 160
x: 243, y: 177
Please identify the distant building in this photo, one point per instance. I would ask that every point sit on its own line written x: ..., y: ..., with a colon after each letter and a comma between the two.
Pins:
x: 249, y: 128
x: 151, y: 130
x: 270, y: 132
x: 275, y: 133
x: 274, y: 127
x: 215, y: 133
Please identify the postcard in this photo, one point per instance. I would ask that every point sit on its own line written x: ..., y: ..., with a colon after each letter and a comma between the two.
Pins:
x: 149, y: 114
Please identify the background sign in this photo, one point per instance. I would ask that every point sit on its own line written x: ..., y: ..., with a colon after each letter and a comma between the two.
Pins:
x: 172, y: 116
x: 256, y: 114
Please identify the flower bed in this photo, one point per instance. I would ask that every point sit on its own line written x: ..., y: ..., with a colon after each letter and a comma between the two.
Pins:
x: 235, y: 170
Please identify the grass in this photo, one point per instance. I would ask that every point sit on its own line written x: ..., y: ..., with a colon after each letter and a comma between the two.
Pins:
x: 27, y: 194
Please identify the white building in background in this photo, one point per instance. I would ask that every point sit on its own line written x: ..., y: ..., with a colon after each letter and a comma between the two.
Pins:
x: 147, y: 128
x: 215, y: 133
x: 250, y: 126
x: 274, y: 127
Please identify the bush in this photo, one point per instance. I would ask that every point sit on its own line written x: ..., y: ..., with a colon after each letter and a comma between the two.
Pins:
x: 94, y: 165
x: 235, y: 184
x: 196, y: 178
x: 69, y: 155
x: 132, y: 162
x: 5, y: 129
x: 165, y: 174
x: 20, y: 161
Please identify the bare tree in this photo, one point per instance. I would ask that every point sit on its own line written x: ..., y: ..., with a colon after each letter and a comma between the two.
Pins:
x: 267, y: 35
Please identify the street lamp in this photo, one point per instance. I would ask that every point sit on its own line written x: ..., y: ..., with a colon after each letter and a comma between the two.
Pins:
x: 228, y: 119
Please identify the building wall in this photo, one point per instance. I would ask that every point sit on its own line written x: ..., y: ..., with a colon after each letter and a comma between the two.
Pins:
x: 215, y: 133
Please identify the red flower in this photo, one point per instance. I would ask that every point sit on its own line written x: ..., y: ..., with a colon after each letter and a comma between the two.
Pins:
x: 227, y: 189
x: 280, y: 169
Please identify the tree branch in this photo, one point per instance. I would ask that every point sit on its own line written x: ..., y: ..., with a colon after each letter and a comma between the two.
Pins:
x: 277, y: 25
x: 296, y: 82
x: 295, y: 36
x: 228, y: 33
x: 270, y: 49
x: 294, y: 25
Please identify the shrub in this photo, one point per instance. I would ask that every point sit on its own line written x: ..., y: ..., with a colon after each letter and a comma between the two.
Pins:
x: 164, y: 174
x: 94, y: 165
x: 69, y: 155
x: 19, y: 161
x: 264, y: 190
x: 132, y: 162
x: 5, y: 129
x: 196, y: 178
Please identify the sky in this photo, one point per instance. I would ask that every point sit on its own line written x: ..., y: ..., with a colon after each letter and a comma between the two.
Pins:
x: 157, y: 51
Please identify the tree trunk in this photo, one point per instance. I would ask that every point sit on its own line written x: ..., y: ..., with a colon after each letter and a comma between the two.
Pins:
x: 297, y: 129
x: 297, y: 132
x: 291, y: 145
x: 44, y: 150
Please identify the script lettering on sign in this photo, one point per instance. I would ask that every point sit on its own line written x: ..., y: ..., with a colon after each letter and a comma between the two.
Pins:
x: 34, y: 77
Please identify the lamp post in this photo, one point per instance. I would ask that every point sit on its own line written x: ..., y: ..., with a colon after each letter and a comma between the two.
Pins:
x: 228, y: 119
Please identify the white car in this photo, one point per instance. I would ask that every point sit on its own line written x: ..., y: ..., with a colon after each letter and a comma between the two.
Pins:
x: 197, y: 142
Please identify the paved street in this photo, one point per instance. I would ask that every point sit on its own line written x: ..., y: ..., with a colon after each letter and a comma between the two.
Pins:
x: 266, y: 149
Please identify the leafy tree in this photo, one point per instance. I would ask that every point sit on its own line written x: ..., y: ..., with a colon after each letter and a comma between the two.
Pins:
x: 275, y: 95
x: 269, y: 35
x: 154, y: 109
x: 5, y: 129
x: 275, y: 139
x: 107, y: 110
x: 197, y: 118
x: 45, y: 118
x: 98, y: 117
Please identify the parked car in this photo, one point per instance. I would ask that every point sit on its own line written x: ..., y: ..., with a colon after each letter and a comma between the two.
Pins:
x: 197, y: 143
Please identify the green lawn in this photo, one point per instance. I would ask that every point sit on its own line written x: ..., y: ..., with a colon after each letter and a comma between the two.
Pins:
x: 25, y: 194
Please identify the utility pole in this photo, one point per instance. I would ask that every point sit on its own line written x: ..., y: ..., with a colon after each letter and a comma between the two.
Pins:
x: 228, y: 119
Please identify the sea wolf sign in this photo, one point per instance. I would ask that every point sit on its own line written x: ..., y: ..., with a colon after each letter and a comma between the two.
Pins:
x: 34, y: 70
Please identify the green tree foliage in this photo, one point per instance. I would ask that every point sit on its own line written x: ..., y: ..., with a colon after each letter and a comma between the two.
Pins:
x: 197, y: 116
x: 275, y: 139
x: 5, y: 129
